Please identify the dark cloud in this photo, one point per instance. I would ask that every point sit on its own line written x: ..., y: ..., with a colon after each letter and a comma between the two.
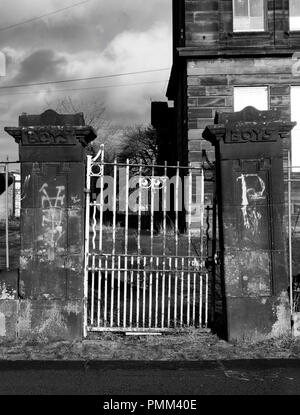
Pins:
x: 99, y: 38
x: 40, y: 65
x: 88, y: 26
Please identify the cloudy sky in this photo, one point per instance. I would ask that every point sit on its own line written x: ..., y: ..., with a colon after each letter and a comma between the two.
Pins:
x: 97, y: 38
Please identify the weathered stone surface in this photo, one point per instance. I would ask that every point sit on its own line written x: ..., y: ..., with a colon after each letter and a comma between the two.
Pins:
x: 50, y: 284
x: 50, y: 320
x: 258, y: 318
x: 247, y: 273
x: 40, y: 140
x: 249, y: 160
x: 8, y: 319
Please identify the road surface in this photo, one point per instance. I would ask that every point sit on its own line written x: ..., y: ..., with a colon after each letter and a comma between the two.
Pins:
x: 247, y: 377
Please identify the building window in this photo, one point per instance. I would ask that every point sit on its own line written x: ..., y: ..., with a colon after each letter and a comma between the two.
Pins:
x: 294, y: 15
x: 249, y: 16
x: 256, y: 97
x: 295, y: 116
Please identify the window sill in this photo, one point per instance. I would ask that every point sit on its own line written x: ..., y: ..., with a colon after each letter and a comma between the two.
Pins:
x: 293, y: 32
x: 249, y: 33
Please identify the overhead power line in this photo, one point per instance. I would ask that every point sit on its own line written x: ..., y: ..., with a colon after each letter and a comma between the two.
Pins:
x: 83, y: 88
x: 82, y: 79
x: 33, y: 19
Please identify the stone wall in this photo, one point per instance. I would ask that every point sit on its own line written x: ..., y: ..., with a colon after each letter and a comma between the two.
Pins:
x: 209, y: 25
x: 43, y: 299
x: 210, y: 90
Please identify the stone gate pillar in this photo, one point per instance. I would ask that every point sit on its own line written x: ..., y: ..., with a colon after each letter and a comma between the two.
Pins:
x: 250, y: 189
x: 52, y: 156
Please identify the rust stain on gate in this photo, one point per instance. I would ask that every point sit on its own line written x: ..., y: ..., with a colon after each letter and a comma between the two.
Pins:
x: 144, y: 260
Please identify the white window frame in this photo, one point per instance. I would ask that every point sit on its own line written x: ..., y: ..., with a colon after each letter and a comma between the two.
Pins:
x: 248, y: 28
x: 244, y: 92
x: 294, y: 21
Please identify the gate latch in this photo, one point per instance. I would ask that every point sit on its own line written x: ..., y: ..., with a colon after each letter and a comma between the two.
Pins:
x: 212, y: 261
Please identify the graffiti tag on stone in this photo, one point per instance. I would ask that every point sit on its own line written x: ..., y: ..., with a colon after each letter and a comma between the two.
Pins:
x: 253, y: 189
x: 52, y: 208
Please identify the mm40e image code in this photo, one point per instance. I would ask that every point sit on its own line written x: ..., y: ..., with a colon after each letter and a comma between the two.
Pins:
x: 151, y: 404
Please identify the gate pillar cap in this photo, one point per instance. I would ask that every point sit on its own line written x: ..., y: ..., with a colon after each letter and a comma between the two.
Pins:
x: 249, y: 119
x: 51, y: 117
x: 70, y: 126
x: 248, y: 114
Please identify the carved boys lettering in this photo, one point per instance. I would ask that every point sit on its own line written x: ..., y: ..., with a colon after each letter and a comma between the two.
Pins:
x: 45, y: 138
x: 251, y: 134
x: 270, y: 135
x: 52, y: 137
x: 235, y: 136
x: 247, y: 135
x: 61, y: 139
x: 32, y: 137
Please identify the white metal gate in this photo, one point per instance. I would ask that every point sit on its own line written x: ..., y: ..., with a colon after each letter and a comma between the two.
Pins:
x: 144, y: 266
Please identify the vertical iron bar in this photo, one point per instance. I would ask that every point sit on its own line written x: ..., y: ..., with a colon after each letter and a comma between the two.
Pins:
x: 176, y: 243
x: 190, y: 190
x: 156, y: 300
x: 87, y: 241
x: 175, y: 292
x: 112, y: 291
x: 152, y: 189
x: 105, y: 292
x: 182, y: 292
x: 138, y: 293
x: 206, y: 300
x: 119, y: 293
x: 144, y: 291
x: 200, y: 301
x: 99, y: 295
x: 6, y: 214
x: 164, y: 246
x: 100, y: 239
x: 194, y: 299
x: 114, y: 244
x: 93, y: 290
x: 14, y: 197
x: 202, y: 219
x: 139, y: 211
x: 201, y: 246
x: 169, y: 293
x: 290, y: 232
x: 98, y: 272
x: 139, y: 247
x: 126, y: 243
x: 163, y: 299
x: 150, y: 292
x: 156, y: 290
x: 131, y: 292
x: 101, y: 203
x: 94, y: 227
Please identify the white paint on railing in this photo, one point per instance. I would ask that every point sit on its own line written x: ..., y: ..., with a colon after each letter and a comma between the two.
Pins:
x: 129, y: 290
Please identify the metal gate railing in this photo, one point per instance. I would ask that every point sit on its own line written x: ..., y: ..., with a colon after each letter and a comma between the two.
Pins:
x: 144, y: 265
x: 293, y: 221
x: 10, y: 204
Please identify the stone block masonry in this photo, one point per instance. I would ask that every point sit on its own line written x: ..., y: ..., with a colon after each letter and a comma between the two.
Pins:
x: 47, y: 300
x: 210, y: 90
x: 250, y: 188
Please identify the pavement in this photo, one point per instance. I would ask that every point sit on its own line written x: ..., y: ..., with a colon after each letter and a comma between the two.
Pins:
x: 198, y: 378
